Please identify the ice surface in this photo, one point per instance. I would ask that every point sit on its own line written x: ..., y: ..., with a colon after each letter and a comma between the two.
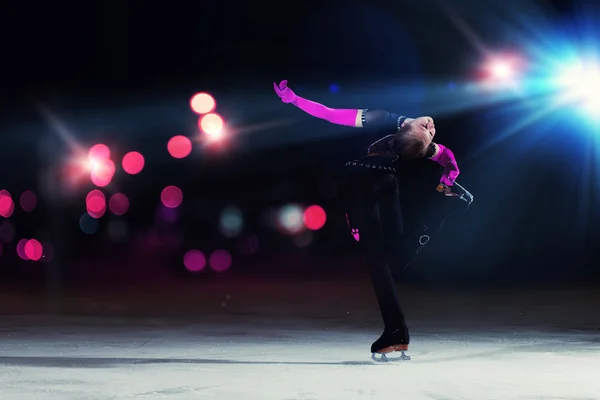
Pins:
x: 309, y: 349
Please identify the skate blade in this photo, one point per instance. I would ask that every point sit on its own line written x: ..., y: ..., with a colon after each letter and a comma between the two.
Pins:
x: 382, y: 357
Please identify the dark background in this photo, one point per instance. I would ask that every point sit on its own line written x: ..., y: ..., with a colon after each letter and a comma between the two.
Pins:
x: 122, y: 73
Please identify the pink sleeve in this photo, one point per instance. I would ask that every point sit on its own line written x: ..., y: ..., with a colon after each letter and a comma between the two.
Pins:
x: 338, y: 116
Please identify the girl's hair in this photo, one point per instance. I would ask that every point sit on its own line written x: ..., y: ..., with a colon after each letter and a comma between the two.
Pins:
x: 410, y: 144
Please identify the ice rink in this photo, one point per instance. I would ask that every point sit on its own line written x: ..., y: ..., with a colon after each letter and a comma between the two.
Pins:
x: 301, y: 341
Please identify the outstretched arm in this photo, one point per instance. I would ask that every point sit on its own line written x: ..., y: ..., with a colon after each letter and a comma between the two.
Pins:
x: 381, y: 120
x: 338, y: 116
x: 347, y: 117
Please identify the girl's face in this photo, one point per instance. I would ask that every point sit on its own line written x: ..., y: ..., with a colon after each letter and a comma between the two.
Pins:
x: 423, y: 125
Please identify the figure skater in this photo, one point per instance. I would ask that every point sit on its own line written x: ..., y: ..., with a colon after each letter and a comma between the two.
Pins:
x: 374, y: 212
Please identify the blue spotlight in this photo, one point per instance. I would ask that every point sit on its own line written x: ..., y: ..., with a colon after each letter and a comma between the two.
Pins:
x: 579, y: 84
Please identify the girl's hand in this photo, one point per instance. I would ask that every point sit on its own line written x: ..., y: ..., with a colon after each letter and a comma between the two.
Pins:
x: 284, y: 92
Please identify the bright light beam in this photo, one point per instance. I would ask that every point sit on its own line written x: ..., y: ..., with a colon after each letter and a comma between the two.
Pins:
x: 61, y: 130
x: 465, y: 29
x: 501, y: 69
x: 579, y: 84
x: 529, y: 118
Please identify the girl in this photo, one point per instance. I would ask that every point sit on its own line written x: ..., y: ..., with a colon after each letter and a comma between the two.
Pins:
x: 373, y: 192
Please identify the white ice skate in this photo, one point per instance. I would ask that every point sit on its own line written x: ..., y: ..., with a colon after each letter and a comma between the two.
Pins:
x: 391, y: 353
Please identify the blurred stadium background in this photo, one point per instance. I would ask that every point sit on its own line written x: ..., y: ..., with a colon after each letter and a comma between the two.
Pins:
x: 146, y: 143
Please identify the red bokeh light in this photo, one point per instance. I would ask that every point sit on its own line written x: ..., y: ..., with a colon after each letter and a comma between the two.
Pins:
x: 7, y: 205
x: 202, y: 103
x: 28, y: 201
x: 211, y: 124
x: 194, y: 260
x: 99, y: 152
x: 171, y: 197
x: 33, y: 250
x: 95, y: 203
x: 118, y: 203
x: 103, y: 172
x: 179, y: 146
x: 314, y: 217
x: 133, y: 162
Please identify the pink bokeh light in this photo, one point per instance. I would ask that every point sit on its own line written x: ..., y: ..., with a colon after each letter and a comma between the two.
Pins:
x: 194, y: 260
x: 220, y: 260
x: 171, y: 197
x: 118, y: 203
x: 103, y: 172
x: 28, y: 201
x: 314, y: 217
x: 179, y: 146
x: 99, y: 152
x: 202, y: 103
x: 133, y: 162
x: 95, y: 203
x: 33, y: 250
x: 21, y: 249
x: 211, y: 124
x: 7, y: 205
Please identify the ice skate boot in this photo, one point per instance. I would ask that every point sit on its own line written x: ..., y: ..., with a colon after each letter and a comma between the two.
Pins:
x: 395, y: 341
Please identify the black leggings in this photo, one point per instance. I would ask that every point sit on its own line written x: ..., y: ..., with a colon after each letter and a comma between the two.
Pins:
x: 373, y: 208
